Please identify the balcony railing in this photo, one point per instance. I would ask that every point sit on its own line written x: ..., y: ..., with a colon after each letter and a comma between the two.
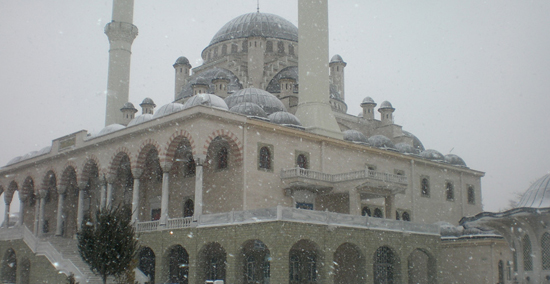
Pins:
x: 365, y: 174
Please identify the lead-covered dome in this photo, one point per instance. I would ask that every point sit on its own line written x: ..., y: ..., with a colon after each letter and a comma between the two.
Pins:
x: 205, y: 78
x: 433, y: 155
x: 381, y: 141
x: 208, y: 100
x: 248, y: 109
x: 168, y: 109
x: 537, y: 195
x: 140, y: 119
x: 284, y: 118
x: 268, y: 102
x: 257, y: 24
x: 354, y: 136
x: 455, y: 160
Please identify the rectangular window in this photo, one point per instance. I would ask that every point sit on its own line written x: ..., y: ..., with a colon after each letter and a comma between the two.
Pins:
x: 155, y: 214
x: 265, y: 157
x: 471, y: 195
x: 303, y: 205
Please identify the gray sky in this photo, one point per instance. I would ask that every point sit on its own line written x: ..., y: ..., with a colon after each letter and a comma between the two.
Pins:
x: 467, y: 77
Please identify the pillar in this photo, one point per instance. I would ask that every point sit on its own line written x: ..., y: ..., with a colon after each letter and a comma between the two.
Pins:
x: 22, y: 199
x: 165, y: 193
x: 354, y: 202
x: 36, y: 214
x: 109, y: 195
x: 103, y: 194
x: 62, y: 192
x: 390, y: 207
x: 199, y: 161
x: 8, y: 196
x: 80, y: 212
x: 42, y: 193
x: 135, y: 195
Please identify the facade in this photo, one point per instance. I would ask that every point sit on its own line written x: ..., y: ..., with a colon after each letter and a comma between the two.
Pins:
x: 240, y: 179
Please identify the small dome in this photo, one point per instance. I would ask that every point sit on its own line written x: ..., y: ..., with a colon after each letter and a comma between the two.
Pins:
x: 208, y: 100
x: 140, y: 119
x: 455, y: 160
x: 248, y: 109
x: 268, y: 102
x: 128, y: 106
x: 537, y: 195
x: 29, y: 155
x: 368, y: 101
x: 336, y: 59
x: 406, y: 148
x: 14, y: 160
x: 148, y: 101
x: 110, y: 129
x: 360, y: 114
x: 284, y: 118
x: 44, y: 150
x: 182, y: 60
x: 355, y: 136
x: 381, y: 141
x: 168, y: 109
x: 433, y: 155
x: 417, y: 144
x: 386, y: 105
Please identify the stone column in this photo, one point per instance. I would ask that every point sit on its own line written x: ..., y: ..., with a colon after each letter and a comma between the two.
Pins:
x: 103, y: 194
x: 165, y: 193
x: 109, y: 195
x: 22, y: 199
x: 354, y: 202
x: 42, y: 193
x: 80, y: 212
x: 8, y: 197
x: 389, y: 201
x: 135, y: 195
x: 36, y: 214
x: 199, y: 161
x: 62, y: 191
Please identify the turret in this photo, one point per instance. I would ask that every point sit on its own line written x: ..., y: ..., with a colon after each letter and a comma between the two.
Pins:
x: 128, y: 113
x: 337, y: 66
x: 287, y: 86
x: 147, y: 106
x: 386, y: 110
x: 368, y: 105
x: 200, y: 87
x: 220, y: 83
x: 181, y: 68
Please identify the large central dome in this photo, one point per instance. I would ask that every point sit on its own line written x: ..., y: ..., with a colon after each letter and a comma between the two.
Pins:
x: 257, y: 24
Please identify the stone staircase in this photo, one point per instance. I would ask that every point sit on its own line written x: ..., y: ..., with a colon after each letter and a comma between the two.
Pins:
x: 68, y: 248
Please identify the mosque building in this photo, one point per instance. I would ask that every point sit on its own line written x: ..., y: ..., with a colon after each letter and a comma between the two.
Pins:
x: 255, y: 173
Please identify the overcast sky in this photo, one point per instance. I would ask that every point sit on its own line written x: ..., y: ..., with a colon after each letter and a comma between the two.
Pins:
x: 467, y: 77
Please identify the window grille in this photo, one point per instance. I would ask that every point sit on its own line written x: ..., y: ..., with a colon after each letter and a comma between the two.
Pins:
x: 425, y: 187
x: 450, y: 191
x: 384, y: 266
x: 545, y: 249
x: 265, y: 158
x: 527, y: 251
x: 471, y: 195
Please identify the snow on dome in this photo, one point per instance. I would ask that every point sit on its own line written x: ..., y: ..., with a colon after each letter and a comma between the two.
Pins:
x: 257, y: 24
x: 406, y: 148
x: 336, y: 58
x: 368, y: 100
x: 182, y: 60
x: 110, y: 129
x: 14, y: 160
x: 537, y: 195
x: 208, y: 100
x: 455, y: 160
x: 128, y: 105
x: 360, y: 114
x: 417, y: 144
x: 147, y: 101
x: 44, y: 150
x: 386, y: 105
x: 249, y: 109
x: 284, y: 118
x: 380, y: 141
x: 205, y: 78
x: 268, y: 102
x: 168, y: 109
x: 355, y: 136
x: 433, y: 155
x: 29, y: 155
x: 140, y: 119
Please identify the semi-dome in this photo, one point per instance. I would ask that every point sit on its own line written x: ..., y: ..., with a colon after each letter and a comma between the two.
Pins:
x: 182, y: 60
x: 284, y: 118
x: 336, y: 59
x: 290, y: 72
x: 386, y: 105
x: 354, y: 136
x: 208, y: 100
x: 257, y: 24
x: 537, y: 195
x: 380, y: 141
x: 248, y: 109
x: 168, y: 109
x: 140, y: 119
x: 406, y: 148
x: 455, y: 160
x: 110, y: 129
x: 268, y: 102
x: 205, y: 78
x: 433, y: 155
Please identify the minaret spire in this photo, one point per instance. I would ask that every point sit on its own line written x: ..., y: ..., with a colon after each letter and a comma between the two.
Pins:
x: 258, y: 6
x: 121, y: 33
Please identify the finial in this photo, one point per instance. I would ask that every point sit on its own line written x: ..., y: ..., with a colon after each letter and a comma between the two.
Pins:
x: 258, y: 6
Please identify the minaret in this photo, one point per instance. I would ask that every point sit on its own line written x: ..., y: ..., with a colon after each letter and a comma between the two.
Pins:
x: 121, y: 33
x: 337, y: 66
x: 314, y: 109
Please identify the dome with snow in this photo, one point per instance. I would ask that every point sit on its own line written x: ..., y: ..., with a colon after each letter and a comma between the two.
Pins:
x: 284, y: 118
x: 380, y: 141
x: 537, y: 195
x: 368, y: 101
x: 406, y: 148
x: 336, y: 59
x: 417, y: 144
x: 140, y: 119
x: 268, y: 102
x: 455, y: 160
x: 168, y: 109
x: 147, y: 101
x: 208, y: 100
x: 386, y: 105
x: 110, y: 129
x: 182, y: 60
x: 205, y: 78
x: 433, y: 155
x: 355, y: 136
x: 249, y: 109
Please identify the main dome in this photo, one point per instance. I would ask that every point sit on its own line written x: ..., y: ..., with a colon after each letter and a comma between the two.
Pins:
x: 257, y: 24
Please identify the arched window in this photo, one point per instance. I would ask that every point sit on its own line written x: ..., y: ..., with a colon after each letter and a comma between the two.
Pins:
x: 366, y: 211
x: 291, y: 49
x: 265, y: 158
x: 245, y: 46
x: 425, y: 187
x: 147, y: 263
x: 294, y: 268
x: 397, y: 217
x: 450, y: 192
x: 281, y: 47
x: 545, y: 250
x: 188, y: 208
x: 250, y: 270
x: 378, y: 213
x: 223, y: 158
x: 301, y: 161
x: 527, y: 254
x: 179, y: 265
x: 224, y: 49
x: 406, y: 216
x: 384, y: 265
x: 9, y: 267
x: 234, y: 48
x: 471, y: 195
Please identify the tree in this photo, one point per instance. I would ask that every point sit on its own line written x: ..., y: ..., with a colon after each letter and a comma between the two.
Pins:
x: 108, y: 244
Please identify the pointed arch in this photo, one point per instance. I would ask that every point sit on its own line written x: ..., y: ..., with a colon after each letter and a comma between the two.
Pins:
x: 175, y: 140
x: 235, y: 145
x: 255, y: 262
x: 421, y: 267
x: 90, y: 168
x: 212, y: 262
x: 386, y: 265
x: 121, y: 153
x: 349, y: 264
x: 304, y: 259
x: 9, y: 267
x: 146, y: 146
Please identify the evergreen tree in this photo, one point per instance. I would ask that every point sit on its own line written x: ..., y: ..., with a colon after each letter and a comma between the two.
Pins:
x: 108, y: 244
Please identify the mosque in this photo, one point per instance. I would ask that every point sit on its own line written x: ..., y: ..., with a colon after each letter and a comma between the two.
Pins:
x: 256, y: 173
